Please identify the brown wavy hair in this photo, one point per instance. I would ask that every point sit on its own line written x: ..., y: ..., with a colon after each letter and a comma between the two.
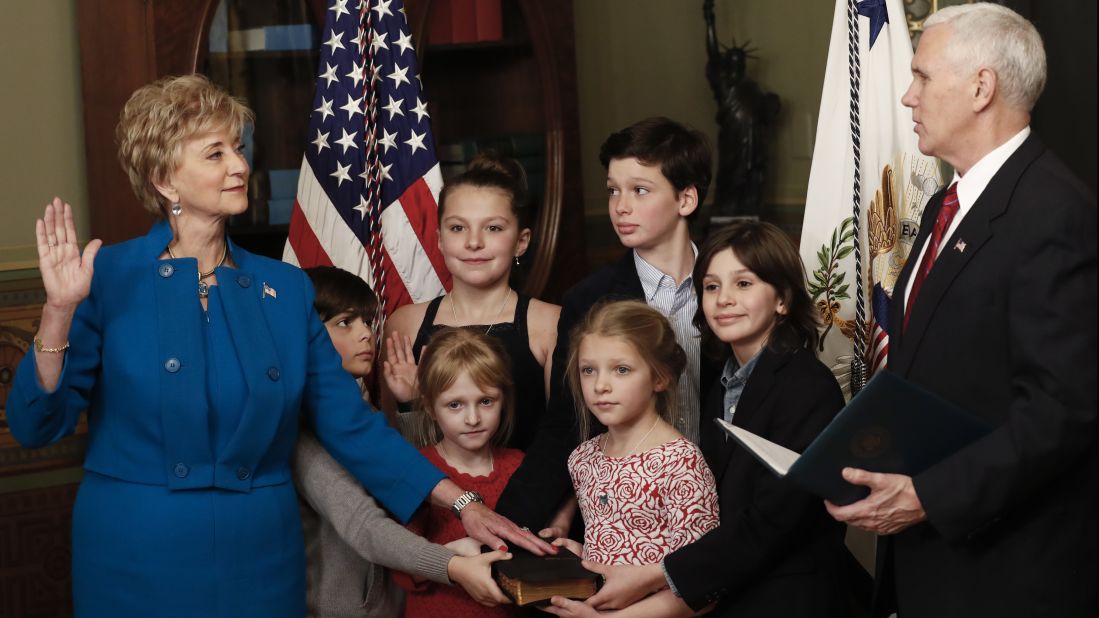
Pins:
x: 768, y: 252
x: 489, y: 170
x: 681, y: 152
x: 338, y: 291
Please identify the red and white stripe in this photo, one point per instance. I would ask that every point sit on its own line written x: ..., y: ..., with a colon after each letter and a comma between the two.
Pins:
x: 414, y: 267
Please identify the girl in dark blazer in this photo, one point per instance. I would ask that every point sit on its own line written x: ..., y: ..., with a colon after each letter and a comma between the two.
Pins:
x: 776, y: 552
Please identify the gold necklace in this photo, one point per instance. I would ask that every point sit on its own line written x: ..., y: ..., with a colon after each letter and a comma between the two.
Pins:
x: 604, y: 497
x: 639, y: 442
x: 499, y: 312
x: 203, y: 288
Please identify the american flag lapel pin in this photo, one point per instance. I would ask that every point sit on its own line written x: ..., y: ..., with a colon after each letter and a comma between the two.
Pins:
x: 269, y: 291
x: 959, y: 246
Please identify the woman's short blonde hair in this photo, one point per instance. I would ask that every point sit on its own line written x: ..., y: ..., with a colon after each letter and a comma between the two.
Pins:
x: 448, y: 354
x: 159, y: 118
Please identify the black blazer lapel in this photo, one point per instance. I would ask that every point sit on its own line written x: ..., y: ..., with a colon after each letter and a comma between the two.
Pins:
x: 751, y: 400
x: 626, y: 282
x: 959, y: 248
x: 896, y: 307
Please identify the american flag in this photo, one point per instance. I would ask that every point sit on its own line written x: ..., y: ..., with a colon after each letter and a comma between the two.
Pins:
x: 879, y: 329
x: 369, y: 184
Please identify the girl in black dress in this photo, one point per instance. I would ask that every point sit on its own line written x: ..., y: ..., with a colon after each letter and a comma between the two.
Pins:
x: 481, y: 236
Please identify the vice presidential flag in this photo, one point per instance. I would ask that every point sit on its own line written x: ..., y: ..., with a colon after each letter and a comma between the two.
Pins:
x: 369, y: 183
x: 867, y: 186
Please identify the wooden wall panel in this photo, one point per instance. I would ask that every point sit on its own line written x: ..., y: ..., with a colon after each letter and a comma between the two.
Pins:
x: 35, y: 555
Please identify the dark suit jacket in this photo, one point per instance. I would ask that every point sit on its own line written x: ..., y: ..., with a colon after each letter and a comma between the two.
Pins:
x: 1006, y: 328
x: 542, y: 481
x: 777, y: 551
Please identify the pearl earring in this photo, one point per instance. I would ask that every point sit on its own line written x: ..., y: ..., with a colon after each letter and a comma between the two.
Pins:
x: 517, y: 260
x: 177, y: 209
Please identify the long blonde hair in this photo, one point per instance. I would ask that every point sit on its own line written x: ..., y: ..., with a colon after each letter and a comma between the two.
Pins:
x: 648, y: 332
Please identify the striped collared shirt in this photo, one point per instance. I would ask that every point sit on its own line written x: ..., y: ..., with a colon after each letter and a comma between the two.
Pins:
x: 678, y: 303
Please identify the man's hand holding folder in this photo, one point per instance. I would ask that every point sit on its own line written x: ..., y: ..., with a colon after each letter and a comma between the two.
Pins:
x: 863, y: 462
x: 891, y: 506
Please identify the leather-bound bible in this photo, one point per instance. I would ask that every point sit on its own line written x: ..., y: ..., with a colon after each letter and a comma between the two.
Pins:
x: 528, y: 579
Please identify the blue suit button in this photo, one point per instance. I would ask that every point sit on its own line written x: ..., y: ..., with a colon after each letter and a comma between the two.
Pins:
x: 274, y: 374
x: 181, y: 470
x: 243, y: 473
x: 166, y: 270
x: 244, y: 281
x: 172, y: 365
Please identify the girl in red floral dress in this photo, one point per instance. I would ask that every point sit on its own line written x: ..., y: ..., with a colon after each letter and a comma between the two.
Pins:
x: 466, y: 413
x: 643, y: 489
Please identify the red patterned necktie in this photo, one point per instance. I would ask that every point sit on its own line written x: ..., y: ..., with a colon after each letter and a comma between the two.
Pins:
x: 942, y: 223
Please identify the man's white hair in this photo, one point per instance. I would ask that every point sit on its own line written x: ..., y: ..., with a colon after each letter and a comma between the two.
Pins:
x: 986, y: 35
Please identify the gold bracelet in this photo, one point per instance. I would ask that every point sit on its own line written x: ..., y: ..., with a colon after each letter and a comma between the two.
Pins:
x: 38, y: 347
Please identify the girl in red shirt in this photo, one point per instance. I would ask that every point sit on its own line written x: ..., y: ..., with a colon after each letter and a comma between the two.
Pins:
x: 466, y: 413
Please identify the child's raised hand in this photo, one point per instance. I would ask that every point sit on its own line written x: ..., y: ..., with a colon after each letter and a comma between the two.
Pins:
x: 569, y: 544
x: 399, y: 367
x: 465, y: 546
x: 474, y: 575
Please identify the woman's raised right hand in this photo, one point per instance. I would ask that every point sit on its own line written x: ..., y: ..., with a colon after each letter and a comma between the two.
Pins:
x: 66, y: 274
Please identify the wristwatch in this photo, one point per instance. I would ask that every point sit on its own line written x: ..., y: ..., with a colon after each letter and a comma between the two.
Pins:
x: 464, y: 500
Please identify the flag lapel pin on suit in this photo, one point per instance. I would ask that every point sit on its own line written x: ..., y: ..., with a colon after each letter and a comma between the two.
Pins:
x: 269, y: 291
x: 960, y: 246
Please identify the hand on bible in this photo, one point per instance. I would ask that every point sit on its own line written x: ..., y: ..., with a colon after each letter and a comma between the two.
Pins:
x: 465, y: 546
x: 560, y: 606
x: 624, y: 585
x: 474, y: 575
x: 570, y: 545
x: 492, y: 529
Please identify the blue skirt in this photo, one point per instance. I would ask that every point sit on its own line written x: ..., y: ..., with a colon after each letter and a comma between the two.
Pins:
x: 142, y: 550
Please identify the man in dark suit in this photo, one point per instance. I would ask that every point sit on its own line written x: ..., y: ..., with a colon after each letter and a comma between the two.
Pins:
x: 995, y: 311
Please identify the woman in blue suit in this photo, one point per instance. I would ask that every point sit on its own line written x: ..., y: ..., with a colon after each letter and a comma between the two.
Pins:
x: 193, y: 359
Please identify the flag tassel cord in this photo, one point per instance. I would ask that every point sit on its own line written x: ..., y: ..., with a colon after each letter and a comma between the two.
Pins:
x: 858, y: 363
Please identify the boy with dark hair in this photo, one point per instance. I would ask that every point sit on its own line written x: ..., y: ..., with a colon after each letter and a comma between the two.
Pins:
x: 347, y: 306
x: 658, y: 171
x: 338, y: 291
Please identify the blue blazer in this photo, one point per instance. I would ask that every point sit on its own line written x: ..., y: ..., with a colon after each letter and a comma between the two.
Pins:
x: 136, y: 363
